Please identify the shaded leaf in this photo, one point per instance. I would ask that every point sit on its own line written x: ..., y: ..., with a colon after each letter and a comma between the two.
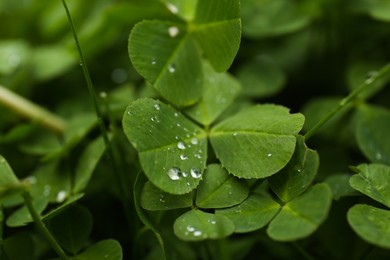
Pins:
x: 371, y: 224
x: 252, y: 214
x: 71, y: 228
x: 219, y: 91
x: 9, y: 183
x: 298, y: 174
x: 13, y: 244
x: 196, y: 225
x: 373, y: 124
x: 339, y: 184
x: 302, y: 216
x: 70, y: 201
x: 374, y: 181
x: 261, y: 78
x: 109, y: 249
x: 219, y: 189
x: 262, y: 18
x: 22, y: 217
x: 87, y: 163
x: 172, y: 150
x: 152, y: 198
x: 360, y: 72
x: 258, y: 141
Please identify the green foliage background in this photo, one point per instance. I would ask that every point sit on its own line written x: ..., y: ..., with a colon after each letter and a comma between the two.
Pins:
x: 213, y: 70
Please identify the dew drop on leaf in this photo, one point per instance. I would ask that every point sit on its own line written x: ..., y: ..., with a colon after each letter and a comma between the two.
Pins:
x: 371, y: 77
x: 172, y: 68
x: 184, y: 174
x: 157, y: 106
x: 172, y: 8
x: 269, y: 154
x: 61, y: 196
x: 198, y: 233
x: 154, y: 62
x: 174, y: 173
x: 183, y: 157
x: 181, y: 145
x: 176, y: 114
x: 196, y: 173
x: 173, y: 31
x: 194, y: 141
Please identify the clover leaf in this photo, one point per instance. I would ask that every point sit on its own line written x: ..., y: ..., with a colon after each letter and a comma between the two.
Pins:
x: 252, y: 214
x: 374, y: 181
x: 196, y: 225
x: 172, y: 150
x: 298, y: 174
x: 258, y: 141
x: 160, y: 50
x: 301, y: 216
x: 219, y: 189
x: 371, y: 223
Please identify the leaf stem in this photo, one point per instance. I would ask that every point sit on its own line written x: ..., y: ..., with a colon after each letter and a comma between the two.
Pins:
x: 121, y: 179
x: 363, y: 86
x: 41, y: 226
x: 30, y: 110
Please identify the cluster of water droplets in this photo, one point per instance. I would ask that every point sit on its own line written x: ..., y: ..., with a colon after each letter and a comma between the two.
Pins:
x: 190, y: 230
x: 175, y: 173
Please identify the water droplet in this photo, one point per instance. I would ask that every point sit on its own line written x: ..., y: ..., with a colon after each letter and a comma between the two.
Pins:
x: 188, y: 184
x: 172, y: 8
x: 196, y: 173
x: 176, y: 114
x: 184, y: 174
x: 198, y: 156
x: 183, y: 157
x: 103, y: 94
x: 181, y: 145
x: 371, y: 76
x: 178, y: 125
x: 172, y: 68
x: 61, y: 196
x: 176, y: 137
x: 194, y: 141
x: 162, y: 200
x: 213, y: 222
x: 235, y: 134
x: 157, y: 106
x: 153, y: 118
x: 198, y: 233
x: 190, y: 228
x: 269, y: 154
x: 129, y: 113
x: 173, y: 31
x: 31, y: 179
x: 174, y: 173
x: 154, y: 62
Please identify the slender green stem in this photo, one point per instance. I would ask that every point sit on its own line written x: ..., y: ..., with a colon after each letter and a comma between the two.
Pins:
x: 121, y: 179
x: 41, y: 226
x: 366, y: 84
x: 30, y: 110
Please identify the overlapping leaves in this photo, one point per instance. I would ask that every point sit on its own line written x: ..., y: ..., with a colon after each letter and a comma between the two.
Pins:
x: 369, y: 222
